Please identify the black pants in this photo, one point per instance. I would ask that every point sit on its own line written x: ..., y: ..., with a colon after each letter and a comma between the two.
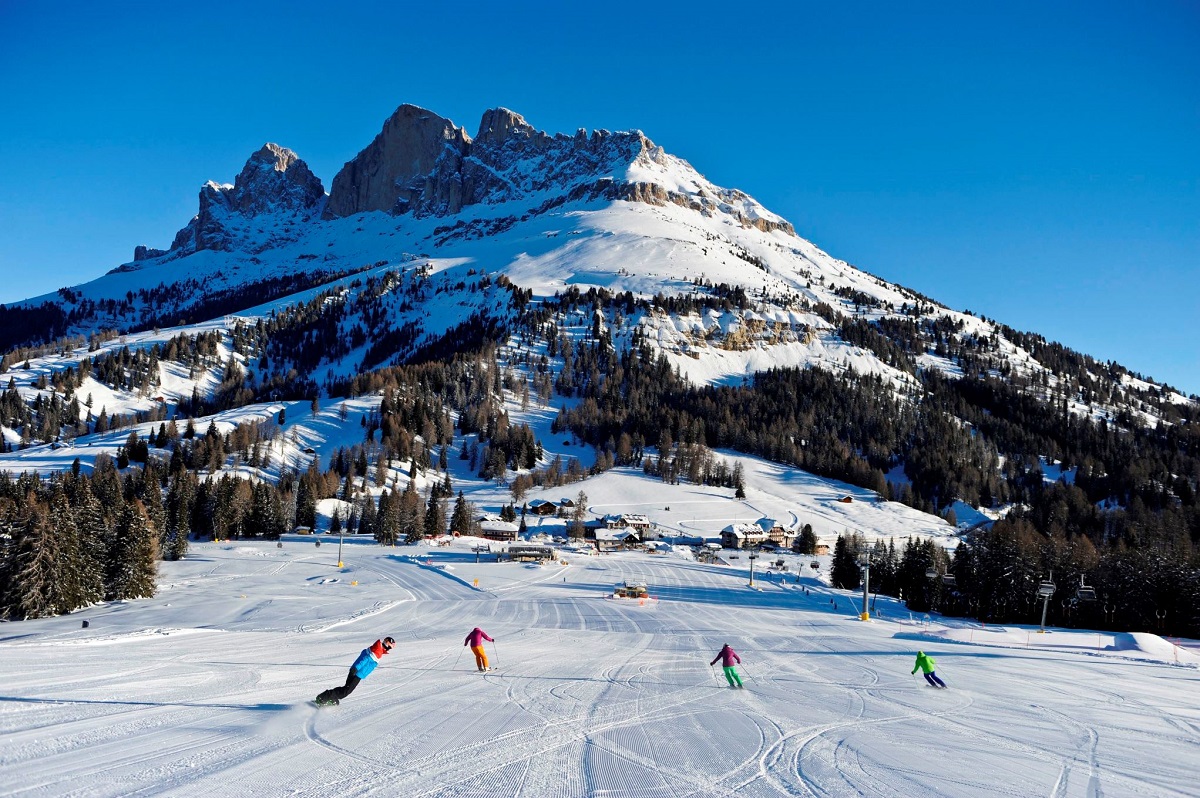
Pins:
x: 338, y: 693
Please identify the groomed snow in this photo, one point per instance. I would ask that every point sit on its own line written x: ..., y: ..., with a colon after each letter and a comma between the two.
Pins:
x: 204, y: 689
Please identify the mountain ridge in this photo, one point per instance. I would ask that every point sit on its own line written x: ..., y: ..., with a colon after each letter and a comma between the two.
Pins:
x: 596, y: 291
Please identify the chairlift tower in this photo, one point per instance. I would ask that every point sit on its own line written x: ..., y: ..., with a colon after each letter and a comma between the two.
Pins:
x: 1045, y: 591
x: 864, y: 563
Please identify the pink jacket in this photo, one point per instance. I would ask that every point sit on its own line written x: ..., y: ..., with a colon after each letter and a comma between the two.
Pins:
x: 727, y: 656
x: 476, y: 637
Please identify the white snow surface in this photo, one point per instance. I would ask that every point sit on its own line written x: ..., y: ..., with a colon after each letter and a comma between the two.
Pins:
x: 205, y: 689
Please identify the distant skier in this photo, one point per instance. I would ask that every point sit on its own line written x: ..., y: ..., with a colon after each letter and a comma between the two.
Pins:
x: 475, y: 641
x: 728, y: 657
x: 360, y: 670
x: 926, y: 664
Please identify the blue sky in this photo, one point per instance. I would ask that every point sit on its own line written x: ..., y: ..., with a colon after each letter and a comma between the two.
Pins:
x: 1037, y: 163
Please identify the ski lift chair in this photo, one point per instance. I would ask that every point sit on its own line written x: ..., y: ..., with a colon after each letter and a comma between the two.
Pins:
x: 1046, y: 589
x: 1084, y: 592
x: 948, y: 580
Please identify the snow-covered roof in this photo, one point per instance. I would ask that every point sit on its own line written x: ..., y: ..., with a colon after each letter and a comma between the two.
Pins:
x: 743, y: 530
x: 616, y: 534
x: 498, y: 526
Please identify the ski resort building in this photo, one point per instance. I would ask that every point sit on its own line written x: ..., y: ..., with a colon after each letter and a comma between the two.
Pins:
x: 498, y: 530
x: 742, y: 536
x: 776, y: 532
x: 525, y: 553
x: 634, y: 521
x: 617, y: 539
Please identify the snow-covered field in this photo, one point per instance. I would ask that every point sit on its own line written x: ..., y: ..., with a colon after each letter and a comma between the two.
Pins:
x: 205, y: 689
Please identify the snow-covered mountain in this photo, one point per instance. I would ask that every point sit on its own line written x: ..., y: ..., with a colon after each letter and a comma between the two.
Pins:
x: 429, y: 232
x: 606, y: 210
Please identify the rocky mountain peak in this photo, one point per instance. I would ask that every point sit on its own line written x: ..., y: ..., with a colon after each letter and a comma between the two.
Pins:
x: 500, y: 124
x: 388, y: 175
x: 274, y: 180
x: 424, y: 164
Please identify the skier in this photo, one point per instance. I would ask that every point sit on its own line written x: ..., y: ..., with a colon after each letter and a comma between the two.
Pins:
x: 728, y: 656
x: 475, y: 641
x: 360, y: 670
x: 926, y: 664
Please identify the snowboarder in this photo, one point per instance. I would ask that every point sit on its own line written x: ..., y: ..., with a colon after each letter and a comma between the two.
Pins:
x: 728, y: 657
x: 926, y: 664
x: 475, y: 641
x: 360, y: 670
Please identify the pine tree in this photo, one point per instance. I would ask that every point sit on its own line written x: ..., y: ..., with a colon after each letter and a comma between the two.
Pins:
x: 461, y: 520
x: 412, y: 524
x: 70, y: 567
x: 180, y: 498
x: 307, y: 495
x: 133, y: 564
x: 806, y: 541
x: 387, y: 527
x: 844, y: 572
x: 577, y: 515
x: 266, y: 512
x: 95, y: 538
x: 368, y: 517
x: 37, y: 588
x: 435, y: 516
x: 151, y: 496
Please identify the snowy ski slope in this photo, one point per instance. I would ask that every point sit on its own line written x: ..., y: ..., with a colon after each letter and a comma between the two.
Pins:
x: 204, y: 689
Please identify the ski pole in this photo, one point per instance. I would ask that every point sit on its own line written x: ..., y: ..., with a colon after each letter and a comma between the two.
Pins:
x: 495, y: 656
x: 456, y: 659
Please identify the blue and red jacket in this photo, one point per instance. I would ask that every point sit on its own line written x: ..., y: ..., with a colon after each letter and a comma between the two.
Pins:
x: 368, y: 659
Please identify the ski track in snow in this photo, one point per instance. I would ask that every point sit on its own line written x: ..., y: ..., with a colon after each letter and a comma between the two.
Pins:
x: 206, y: 690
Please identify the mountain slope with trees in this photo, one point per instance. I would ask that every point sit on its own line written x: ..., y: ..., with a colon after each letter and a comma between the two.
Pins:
x: 663, y: 317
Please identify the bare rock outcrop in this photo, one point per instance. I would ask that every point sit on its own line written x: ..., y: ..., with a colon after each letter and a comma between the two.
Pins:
x: 423, y: 164
x: 394, y: 169
x: 273, y: 181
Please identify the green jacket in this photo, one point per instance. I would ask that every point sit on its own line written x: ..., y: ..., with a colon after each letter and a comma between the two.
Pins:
x: 924, y: 662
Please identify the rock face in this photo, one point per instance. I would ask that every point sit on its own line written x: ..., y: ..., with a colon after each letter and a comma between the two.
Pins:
x: 143, y: 252
x: 274, y: 180
x: 391, y: 172
x: 423, y: 164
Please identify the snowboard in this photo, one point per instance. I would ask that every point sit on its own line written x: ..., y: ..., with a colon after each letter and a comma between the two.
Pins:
x: 331, y: 703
